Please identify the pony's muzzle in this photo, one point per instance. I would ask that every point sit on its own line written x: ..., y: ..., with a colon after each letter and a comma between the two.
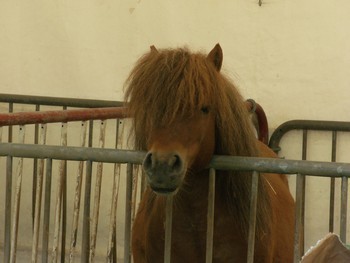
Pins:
x: 164, y: 171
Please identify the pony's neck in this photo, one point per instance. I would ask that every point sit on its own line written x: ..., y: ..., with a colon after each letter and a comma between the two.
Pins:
x: 195, y: 188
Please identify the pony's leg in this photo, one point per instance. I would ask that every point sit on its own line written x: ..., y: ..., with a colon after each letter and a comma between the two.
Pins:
x: 138, y: 235
x: 138, y: 253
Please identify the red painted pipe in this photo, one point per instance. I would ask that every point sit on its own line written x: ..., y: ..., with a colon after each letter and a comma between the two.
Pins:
x: 263, y: 132
x: 22, y: 118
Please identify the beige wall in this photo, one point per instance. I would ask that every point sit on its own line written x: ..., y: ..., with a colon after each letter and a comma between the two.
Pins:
x: 293, y: 57
x: 279, y: 53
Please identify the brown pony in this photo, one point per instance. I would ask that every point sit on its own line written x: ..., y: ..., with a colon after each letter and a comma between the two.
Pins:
x: 185, y: 111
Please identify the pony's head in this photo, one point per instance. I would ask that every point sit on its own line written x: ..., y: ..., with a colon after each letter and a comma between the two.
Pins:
x: 183, y: 108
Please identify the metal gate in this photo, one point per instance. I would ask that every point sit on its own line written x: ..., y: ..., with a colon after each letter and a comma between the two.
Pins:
x: 46, y: 156
x: 334, y: 134
x: 90, y: 156
x: 90, y: 130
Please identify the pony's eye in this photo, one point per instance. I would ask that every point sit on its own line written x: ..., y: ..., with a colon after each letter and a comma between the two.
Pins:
x: 205, y: 109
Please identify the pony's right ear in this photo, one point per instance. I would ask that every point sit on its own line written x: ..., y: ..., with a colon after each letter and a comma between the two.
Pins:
x: 153, y: 49
x: 215, y: 56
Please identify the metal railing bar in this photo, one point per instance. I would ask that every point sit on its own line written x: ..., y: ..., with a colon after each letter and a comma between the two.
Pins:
x: 135, y: 188
x: 38, y: 192
x: 47, y: 203
x: 71, y: 153
x: 280, y: 166
x: 8, y: 198
x: 86, y: 214
x: 128, y: 200
x: 17, y: 201
x: 332, y: 184
x: 168, y: 228
x: 305, y: 125
x: 117, y: 170
x: 97, y: 193
x: 22, y: 118
x: 58, y: 101
x: 35, y: 167
x: 59, y: 208
x: 8, y: 213
x: 298, y: 219
x: 112, y: 246
x: 262, y: 125
x: 91, y: 131
x: 64, y: 212
x: 343, y: 208
x: 10, y: 127
x: 303, y: 196
x: 87, y: 199
x: 64, y: 138
x: 210, y: 216
x: 219, y: 162
x: 271, y: 165
x: 252, y: 217
x: 77, y: 195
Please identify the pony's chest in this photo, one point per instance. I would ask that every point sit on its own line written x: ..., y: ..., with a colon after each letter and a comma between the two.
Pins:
x: 189, y: 239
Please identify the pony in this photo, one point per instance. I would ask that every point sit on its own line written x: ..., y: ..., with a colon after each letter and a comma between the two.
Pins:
x: 184, y: 111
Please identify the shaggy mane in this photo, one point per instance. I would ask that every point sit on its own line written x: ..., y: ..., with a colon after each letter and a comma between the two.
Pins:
x: 175, y: 82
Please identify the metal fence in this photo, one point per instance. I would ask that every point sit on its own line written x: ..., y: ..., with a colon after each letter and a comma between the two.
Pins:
x: 46, y: 159
x: 89, y: 129
x: 303, y: 129
x: 90, y: 156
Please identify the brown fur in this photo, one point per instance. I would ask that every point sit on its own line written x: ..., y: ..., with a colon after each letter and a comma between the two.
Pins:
x: 158, y: 78
x: 174, y: 84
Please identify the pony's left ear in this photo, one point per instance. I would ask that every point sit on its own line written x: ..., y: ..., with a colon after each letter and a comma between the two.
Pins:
x: 215, y: 56
x: 153, y: 49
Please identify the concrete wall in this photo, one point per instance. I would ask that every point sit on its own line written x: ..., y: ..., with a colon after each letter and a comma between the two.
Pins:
x: 280, y: 52
x: 291, y: 56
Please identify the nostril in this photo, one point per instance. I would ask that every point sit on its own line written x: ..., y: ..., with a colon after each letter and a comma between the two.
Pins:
x: 148, y: 161
x: 162, y: 163
x: 172, y: 160
x: 176, y: 162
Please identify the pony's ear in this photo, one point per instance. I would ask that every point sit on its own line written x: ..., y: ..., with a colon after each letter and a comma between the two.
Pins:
x: 153, y: 49
x: 215, y: 56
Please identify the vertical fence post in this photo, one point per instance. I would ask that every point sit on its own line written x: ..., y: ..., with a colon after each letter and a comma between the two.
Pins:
x: 35, y: 167
x: 210, y: 216
x: 60, y: 200
x: 64, y: 138
x: 47, y: 204
x: 87, y: 197
x: 37, y: 207
x: 168, y: 228
x: 128, y: 199
x: 298, y: 219
x: 111, y: 249
x: 8, y: 213
x: 303, y: 196
x: 252, y: 216
x: 77, y: 196
x: 343, y: 208
x: 16, y: 210
x: 135, y: 180
x: 332, y: 184
x: 86, y: 214
x: 8, y: 198
x: 112, y: 238
x: 97, y: 192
